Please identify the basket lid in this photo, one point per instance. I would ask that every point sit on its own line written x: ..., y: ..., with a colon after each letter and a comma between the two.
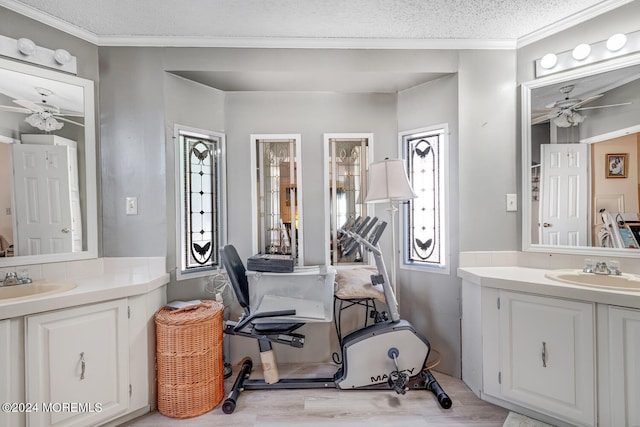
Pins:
x: 190, y: 314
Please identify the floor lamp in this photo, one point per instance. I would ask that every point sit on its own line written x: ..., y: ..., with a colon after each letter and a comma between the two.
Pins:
x: 388, y: 183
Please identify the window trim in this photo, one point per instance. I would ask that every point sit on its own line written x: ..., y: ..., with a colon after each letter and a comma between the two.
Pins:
x: 222, y: 192
x: 445, y: 265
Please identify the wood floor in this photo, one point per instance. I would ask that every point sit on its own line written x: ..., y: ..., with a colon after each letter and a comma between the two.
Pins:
x: 324, y: 407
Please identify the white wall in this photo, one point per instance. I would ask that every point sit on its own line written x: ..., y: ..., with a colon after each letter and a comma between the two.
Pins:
x: 489, y: 154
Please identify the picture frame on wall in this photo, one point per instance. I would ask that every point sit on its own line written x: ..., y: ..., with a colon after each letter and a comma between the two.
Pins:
x: 616, y: 165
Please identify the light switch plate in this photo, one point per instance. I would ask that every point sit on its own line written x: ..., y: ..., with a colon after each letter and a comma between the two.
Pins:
x: 512, y: 202
x: 132, y: 206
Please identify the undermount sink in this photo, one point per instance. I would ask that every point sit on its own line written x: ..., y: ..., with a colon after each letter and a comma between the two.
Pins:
x: 578, y: 277
x: 37, y: 288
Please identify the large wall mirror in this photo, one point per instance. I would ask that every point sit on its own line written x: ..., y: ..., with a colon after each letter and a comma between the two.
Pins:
x: 48, y: 205
x: 581, y: 151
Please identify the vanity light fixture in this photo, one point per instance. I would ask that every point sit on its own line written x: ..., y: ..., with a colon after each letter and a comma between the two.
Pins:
x: 25, y: 49
x: 585, y: 54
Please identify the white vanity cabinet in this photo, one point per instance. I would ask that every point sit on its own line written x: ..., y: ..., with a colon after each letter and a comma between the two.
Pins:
x: 530, y: 353
x: 78, y: 357
x: 547, y: 354
x: 619, y: 365
x: 516, y: 320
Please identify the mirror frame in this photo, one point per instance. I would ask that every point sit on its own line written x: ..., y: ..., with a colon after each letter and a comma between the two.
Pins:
x: 525, y: 122
x: 90, y: 188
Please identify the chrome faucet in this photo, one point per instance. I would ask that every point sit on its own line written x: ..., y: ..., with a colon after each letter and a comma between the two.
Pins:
x: 601, y: 268
x: 12, y: 279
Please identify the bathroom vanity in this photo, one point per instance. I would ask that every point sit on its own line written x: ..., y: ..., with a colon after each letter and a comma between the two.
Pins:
x: 560, y: 352
x: 83, y: 356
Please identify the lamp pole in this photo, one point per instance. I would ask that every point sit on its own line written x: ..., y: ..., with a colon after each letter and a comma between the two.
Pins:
x: 392, y: 212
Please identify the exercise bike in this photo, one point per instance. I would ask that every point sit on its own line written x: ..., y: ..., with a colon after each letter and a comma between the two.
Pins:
x: 389, y: 354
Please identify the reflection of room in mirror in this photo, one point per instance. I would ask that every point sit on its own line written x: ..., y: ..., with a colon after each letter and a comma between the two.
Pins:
x: 609, y: 105
x: 37, y: 94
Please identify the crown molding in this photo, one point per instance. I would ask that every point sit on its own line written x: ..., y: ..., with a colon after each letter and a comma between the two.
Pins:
x: 306, y: 43
x: 571, y: 21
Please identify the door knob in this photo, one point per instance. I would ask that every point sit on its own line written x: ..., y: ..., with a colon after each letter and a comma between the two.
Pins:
x: 547, y: 225
x: 65, y: 230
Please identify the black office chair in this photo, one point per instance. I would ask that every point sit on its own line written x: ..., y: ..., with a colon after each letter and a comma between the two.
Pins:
x: 264, y: 331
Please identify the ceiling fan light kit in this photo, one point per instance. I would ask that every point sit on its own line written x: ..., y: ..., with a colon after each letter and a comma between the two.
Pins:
x: 585, y: 54
x: 42, y: 122
x: 565, y: 113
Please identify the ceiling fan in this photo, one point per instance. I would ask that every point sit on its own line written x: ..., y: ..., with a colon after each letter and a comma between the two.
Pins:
x: 43, y: 115
x: 564, y: 113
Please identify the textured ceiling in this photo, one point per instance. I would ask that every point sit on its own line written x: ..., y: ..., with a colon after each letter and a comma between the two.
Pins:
x: 477, y: 20
x: 311, y: 23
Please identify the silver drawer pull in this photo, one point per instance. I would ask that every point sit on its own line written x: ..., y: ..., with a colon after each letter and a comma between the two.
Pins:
x: 82, y: 365
x: 544, y: 354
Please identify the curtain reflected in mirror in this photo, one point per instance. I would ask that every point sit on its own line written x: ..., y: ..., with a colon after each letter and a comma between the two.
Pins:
x: 348, y: 159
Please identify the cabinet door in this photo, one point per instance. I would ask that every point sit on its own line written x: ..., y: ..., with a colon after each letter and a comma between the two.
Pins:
x: 77, y: 364
x: 547, y: 351
x: 624, y: 355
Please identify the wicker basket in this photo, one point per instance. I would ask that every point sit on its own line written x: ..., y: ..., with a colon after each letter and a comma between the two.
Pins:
x: 189, y: 359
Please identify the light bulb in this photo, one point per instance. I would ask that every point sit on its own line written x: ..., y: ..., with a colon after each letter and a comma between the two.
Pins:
x: 581, y: 51
x: 549, y: 61
x: 616, y: 42
x: 61, y: 56
x: 26, y: 46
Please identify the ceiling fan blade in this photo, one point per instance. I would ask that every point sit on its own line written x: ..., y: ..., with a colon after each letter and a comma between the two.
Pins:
x: 585, y: 101
x: 69, y: 114
x: 604, y: 106
x: 62, y: 119
x: 32, y: 106
x: 12, y: 109
x: 544, y: 118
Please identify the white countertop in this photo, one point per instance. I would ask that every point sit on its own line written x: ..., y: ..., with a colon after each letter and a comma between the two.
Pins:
x: 533, y: 280
x: 103, y: 287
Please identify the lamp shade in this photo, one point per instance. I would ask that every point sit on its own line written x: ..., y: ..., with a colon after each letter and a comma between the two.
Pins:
x: 388, y: 182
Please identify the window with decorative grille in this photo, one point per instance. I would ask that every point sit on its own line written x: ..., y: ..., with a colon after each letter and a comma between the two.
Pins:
x: 199, y: 199
x: 424, y: 238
